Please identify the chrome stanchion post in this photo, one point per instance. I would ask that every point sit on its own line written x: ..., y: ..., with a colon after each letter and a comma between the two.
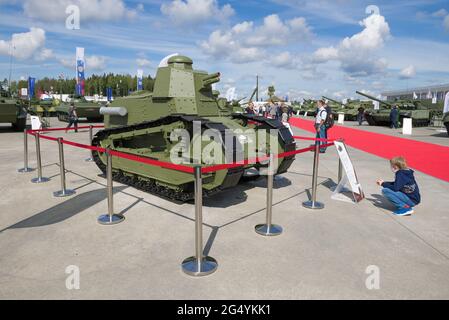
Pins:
x: 25, y: 168
x: 64, y: 192
x: 313, y: 204
x: 269, y: 229
x: 39, y: 178
x: 110, y: 218
x: 199, y: 265
x: 90, y: 159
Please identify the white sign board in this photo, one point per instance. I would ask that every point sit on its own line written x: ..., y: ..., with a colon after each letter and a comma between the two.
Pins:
x: 434, y: 100
x: 446, y: 103
x: 24, y: 92
x: 349, y: 176
x: 341, y: 118
x: 407, y: 126
x: 376, y: 105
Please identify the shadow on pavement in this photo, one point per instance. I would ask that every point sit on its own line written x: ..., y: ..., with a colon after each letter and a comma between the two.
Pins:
x: 66, y: 210
x: 380, y: 201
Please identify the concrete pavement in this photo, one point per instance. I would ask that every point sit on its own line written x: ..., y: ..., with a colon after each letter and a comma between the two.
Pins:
x: 321, y: 254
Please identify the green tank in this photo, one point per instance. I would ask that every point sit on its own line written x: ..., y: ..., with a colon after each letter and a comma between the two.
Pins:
x: 419, y: 114
x: 13, y: 111
x: 84, y: 109
x: 43, y: 108
x: 351, y: 108
x: 182, y: 98
x: 310, y: 107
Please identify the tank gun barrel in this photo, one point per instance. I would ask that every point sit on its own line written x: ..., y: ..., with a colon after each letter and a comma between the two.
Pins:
x: 374, y: 98
x: 334, y: 101
x: 211, y: 79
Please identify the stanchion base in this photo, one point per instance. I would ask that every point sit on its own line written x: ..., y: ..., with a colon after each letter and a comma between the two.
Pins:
x: 106, y: 219
x: 62, y: 193
x: 89, y: 160
x: 313, y: 205
x: 40, y: 180
x: 208, y: 266
x: 266, y: 230
x: 26, y: 170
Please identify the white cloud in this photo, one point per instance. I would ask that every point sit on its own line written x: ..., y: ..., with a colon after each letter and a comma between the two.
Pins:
x: 96, y: 63
x: 408, y: 72
x: 142, y: 62
x: 356, y: 53
x: 44, y: 54
x: 440, y: 13
x: 90, y: 10
x: 93, y: 63
x: 446, y: 23
x: 191, y: 12
x: 24, y: 45
x: 245, y: 42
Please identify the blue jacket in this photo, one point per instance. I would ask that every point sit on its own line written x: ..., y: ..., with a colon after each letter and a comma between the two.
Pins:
x: 394, y: 114
x: 405, y: 182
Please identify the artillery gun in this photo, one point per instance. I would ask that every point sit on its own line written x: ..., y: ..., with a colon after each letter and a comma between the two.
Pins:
x: 419, y: 114
x: 183, y: 100
x: 310, y: 107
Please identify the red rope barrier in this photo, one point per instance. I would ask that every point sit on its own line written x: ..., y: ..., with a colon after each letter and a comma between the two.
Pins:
x: 314, y: 139
x: 152, y: 162
x: 62, y: 129
x: 182, y: 168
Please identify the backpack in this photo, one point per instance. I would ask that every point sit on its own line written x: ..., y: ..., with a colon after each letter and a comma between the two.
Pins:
x: 329, y: 122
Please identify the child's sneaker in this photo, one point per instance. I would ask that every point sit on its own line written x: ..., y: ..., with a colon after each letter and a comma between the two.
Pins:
x: 404, y: 212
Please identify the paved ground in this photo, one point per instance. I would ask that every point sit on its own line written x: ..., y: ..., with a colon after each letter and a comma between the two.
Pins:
x: 321, y: 254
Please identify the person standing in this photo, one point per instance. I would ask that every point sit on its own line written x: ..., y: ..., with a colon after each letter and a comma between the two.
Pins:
x: 360, y: 115
x: 320, y: 124
x: 394, y: 115
x: 73, y: 117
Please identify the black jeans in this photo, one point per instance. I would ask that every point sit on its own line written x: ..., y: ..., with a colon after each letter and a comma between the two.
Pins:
x: 73, y: 121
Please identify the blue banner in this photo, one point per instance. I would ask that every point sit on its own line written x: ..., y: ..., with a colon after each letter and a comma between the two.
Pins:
x: 109, y: 93
x: 31, y: 84
x: 80, y: 70
x: 139, y: 80
x: 79, y: 89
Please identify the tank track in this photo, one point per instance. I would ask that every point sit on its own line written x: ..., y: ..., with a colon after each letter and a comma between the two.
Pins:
x: 150, y: 185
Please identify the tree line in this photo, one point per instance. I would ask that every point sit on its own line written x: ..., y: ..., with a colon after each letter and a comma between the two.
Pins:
x: 122, y: 85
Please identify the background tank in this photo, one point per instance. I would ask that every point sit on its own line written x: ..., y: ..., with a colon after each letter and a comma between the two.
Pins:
x: 310, y: 107
x: 419, y: 114
x: 351, y: 108
x: 43, y: 108
x: 84, y: 109
x: 12, y: 110
x: 181, y: 99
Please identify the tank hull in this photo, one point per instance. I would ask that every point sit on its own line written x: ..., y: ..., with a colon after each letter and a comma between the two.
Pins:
x: 13, y: 111
x: 148, y: 141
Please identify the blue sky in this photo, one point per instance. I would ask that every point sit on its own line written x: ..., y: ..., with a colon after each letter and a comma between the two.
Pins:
x: 306, y: 48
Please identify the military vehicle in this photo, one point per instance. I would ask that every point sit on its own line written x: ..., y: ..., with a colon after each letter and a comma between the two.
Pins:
x: 13, y: 111
x: 182, y: 98
x: 43, y: 108
x: 310, y: 107
x: 84, y: 109
x: 419, y: 114
x: 351, y: 108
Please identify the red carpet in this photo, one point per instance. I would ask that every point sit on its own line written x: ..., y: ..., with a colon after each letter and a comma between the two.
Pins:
x: 426, y: 157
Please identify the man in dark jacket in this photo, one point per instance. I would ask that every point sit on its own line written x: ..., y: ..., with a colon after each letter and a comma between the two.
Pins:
x: 403, y: 192
x: 394, y: 115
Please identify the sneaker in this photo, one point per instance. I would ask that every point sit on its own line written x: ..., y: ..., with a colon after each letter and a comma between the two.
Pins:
x: 404, y: 212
